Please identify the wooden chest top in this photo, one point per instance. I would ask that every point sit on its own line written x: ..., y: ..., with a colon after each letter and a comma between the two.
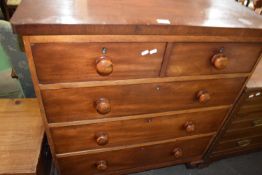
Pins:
x: 187, y: 17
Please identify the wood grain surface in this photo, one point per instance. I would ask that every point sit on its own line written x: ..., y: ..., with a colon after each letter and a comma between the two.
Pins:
x: 74, y: 62
x: 135, y: 131
x: 79, y: 103
x: 36, y: 17
x: 21, y: 136
x: 133, y: 157
x: 195, y: 58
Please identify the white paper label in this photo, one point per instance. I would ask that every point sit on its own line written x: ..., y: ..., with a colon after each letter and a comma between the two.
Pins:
x: 251, y: 96
x: 145, y: 52
x: 258, y: 94
x: 163, y: 21
x: 153, y: 51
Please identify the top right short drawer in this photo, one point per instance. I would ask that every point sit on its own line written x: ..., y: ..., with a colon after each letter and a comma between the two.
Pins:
x: 212, y: 58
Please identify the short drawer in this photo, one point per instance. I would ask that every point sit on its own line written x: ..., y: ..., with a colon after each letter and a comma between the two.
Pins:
x: 212, y: 58
x: 136, y: 131
x: 239, y: 144
x: 72, y: 62
x: 122, y: 100
x: 254, y: 97
x: 139, y: 157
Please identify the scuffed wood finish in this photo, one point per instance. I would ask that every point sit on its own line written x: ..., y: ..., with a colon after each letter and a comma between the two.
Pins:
x: 136, y: 131
x: 79, y: 103
x: 121, y: 17
x: 241, y: 58
x: 73, y: 62
x: 21, y: 136
x: 134, y: 157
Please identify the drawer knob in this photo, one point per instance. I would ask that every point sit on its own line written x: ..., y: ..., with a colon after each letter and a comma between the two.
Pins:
x: 101, y: 138
x: 101, y: 165
x: 104, y: 66
x: 177, y: 152
x: 103, y: 106
x: 190, y: 127
x: 203, y: 96
x: 220, y: 61
x: 243, y: 143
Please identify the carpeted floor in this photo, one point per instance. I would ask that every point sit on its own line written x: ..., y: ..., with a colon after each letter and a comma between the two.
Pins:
x: 250, y: 164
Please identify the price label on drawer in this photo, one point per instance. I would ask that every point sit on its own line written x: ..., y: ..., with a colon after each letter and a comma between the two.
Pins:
x: 151, y: 52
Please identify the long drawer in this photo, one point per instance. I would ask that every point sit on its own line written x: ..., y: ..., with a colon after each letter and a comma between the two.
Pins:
x: 135, y: 131
x: 212, y: 58
x: 239, y: 143
x: 71, y: 62
x: 242, y: 133
x: 117, y: 160
x: 246, y: 124
x: 121, y: 100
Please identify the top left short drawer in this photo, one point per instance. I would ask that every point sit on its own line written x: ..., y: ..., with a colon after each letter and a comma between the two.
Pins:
x: 76, y: 62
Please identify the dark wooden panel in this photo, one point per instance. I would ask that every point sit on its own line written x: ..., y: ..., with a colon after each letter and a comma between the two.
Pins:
x: 136, y: 131
x: 241, y: 58
x: 242, y: 133
x: 80, y: 103
x: 235, y: 151
x: 257, y: 122
x: 239, y: 143
x: 133, y: 157
x: 67, y: 62
x: 247, y: 109
x: 248, y: 116
x: 253, y: 97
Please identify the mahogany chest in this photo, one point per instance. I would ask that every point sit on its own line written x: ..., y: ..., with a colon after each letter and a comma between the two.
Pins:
x: 126, y: 86
x: 244, y: 131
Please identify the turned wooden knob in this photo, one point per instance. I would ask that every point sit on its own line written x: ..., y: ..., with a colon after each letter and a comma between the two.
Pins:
x: 220, y: 61
x: 101, y: 138
x: 101, y: 165
x: 203, y: 96
x: 104, y: 66
x: 190, y: 127
x: 103, y: 106
x: 177, y: 152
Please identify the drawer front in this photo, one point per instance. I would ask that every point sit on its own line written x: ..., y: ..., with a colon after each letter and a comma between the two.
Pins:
x: 71, y: 62
x: 212, y: 58
x: 127, y: 132
x: 122, y: 100
x: 256, y: 115
x: 246, y: 124
x: 254, y: 98
x: 239, y: 144
x: 133, y: 157
x: 242, y: 133
x: 246, y: 109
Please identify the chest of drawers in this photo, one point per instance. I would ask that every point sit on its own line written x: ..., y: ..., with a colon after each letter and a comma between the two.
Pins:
x: 126, y: 86
x: 244, y: 132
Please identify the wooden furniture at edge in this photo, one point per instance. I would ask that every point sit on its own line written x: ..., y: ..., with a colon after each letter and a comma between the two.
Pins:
x: 244, y: 132
x: 127, y: 86
x: 21, y: 138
